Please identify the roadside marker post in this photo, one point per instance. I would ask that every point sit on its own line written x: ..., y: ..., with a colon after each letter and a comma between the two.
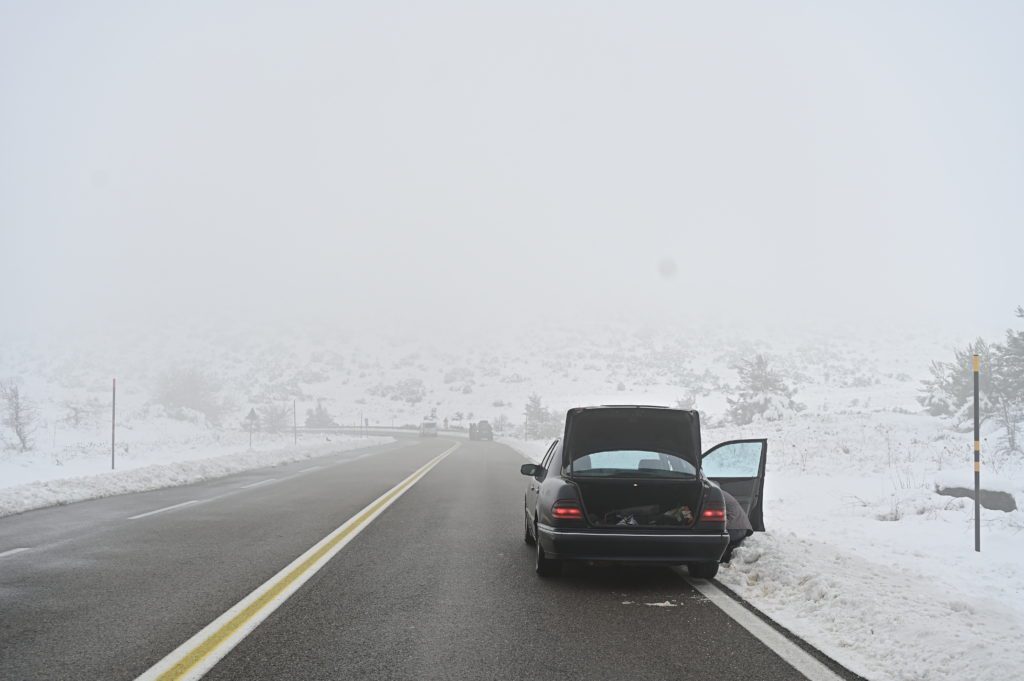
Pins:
x: 113, y: 421
x: 251, y: 418
x: 295, y: 425
x: 977, y: 456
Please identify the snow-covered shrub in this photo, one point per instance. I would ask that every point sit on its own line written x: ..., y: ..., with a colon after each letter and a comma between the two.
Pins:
x: 458, y: 375
x: 19, y: 414
x: 275, y: 418
x: 949, y: 392
x: 541, y: 422
x: 183, y: 392
x: 319, y: 417
x: 763, y: 394
x: 81, y: 412
x: 409, y: 390
x: 687, y: 402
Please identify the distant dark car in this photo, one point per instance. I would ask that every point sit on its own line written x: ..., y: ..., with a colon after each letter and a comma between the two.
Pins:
x: 629, y: 484
x: 481, y: 431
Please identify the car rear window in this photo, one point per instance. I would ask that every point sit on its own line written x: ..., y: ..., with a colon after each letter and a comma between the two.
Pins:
x: 632, y: 463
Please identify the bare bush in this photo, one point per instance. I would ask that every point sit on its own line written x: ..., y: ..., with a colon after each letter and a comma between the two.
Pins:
x: 275, y: 418
x: 78, y: 412
x: 185, y: 390
x: 18, y: 414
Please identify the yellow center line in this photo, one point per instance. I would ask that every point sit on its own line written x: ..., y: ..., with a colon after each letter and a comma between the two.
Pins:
x: 239, y: 621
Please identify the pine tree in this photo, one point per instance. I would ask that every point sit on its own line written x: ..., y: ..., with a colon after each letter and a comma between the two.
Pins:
x: 949, y: 392
x: 1008, y: 379
x: 319, y: 417
x: 541, y: 422
x: 763, y: 394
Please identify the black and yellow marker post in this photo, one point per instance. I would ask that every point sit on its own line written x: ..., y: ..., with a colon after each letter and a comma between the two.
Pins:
x: 977, y: 458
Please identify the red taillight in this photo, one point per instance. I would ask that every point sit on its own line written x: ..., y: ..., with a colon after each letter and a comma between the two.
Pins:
x: 713, y: 514
x: 567, y: 510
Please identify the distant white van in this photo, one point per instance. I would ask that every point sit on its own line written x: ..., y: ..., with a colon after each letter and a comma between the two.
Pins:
x: 428, y: 429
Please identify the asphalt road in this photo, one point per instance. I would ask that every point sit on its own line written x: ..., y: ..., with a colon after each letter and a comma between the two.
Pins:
x: 439, y: 586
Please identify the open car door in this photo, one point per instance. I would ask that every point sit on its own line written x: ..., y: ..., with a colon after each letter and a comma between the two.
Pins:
x: 737, y: 467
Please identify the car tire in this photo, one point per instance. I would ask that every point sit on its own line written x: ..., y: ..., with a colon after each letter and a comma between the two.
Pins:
x: 705, y: 570
x: 528, y: 536
x: 547, y: 567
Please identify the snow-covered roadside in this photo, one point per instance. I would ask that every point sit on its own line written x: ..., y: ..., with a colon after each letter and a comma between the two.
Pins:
x: 140, y: 474
x: 865, y: 571
x: 878, y: 618
x: 875, y: 569
x: 532, y: 450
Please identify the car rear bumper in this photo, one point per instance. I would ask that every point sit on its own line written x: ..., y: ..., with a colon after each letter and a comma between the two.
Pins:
x: 630, y: 547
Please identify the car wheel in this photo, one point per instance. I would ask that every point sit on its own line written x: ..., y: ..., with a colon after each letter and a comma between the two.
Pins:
x: 528, y: 536
x: 547, y: 567
x: 706, y: 570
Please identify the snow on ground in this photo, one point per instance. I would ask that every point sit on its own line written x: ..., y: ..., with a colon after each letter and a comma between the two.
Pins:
x: 861, y: 558
x: 873, y: 567
x: 866, y: 562
x: 881, y: 615
x: 37, y: 482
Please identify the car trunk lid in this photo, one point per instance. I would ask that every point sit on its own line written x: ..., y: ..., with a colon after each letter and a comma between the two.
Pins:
x: 635, y: 467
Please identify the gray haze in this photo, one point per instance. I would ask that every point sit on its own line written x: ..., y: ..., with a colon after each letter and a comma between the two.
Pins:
x: 780, y: 161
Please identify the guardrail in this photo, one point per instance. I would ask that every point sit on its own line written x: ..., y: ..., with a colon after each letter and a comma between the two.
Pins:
x: 374, y: 430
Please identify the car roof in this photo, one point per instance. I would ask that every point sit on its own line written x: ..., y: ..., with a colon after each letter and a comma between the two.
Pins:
x: 629, y: 406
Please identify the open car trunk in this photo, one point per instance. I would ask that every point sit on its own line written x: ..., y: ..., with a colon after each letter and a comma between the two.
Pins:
x: 638, y: 504
x: 635, y: 467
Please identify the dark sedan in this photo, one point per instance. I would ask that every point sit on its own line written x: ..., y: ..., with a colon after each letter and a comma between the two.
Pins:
x: 630, y: 484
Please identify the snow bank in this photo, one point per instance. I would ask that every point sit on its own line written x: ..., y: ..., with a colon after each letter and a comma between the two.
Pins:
x: 880, y: 620
x: 65, y: 490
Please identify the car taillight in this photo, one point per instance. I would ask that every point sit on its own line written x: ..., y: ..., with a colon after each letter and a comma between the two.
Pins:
x: 713, y: 514
x: 567, y: 510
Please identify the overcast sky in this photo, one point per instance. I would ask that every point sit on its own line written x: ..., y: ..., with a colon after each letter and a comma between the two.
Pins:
x: 781, y: 160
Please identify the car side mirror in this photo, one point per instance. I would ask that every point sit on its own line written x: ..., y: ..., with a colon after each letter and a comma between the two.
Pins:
x: 530, y: 469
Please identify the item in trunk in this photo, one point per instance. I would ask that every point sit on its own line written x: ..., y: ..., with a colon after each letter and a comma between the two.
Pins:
x: 634, y: 515
x: 681, y: 515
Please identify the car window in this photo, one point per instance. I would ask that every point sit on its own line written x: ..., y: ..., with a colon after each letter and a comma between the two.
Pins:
x: 632, y: 463
x: 733, y: 460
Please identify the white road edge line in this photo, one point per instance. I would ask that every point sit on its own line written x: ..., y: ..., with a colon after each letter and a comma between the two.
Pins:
x: 796, y: 656
x: 11, y: 552
x: 258, y: 483
x: 198, y: 655
x: 165, y: 508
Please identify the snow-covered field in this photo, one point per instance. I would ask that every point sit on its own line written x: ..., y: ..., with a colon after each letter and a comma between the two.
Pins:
x: 862, y: 558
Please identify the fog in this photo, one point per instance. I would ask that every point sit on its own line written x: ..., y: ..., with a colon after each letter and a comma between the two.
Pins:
x: 386, y: 161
